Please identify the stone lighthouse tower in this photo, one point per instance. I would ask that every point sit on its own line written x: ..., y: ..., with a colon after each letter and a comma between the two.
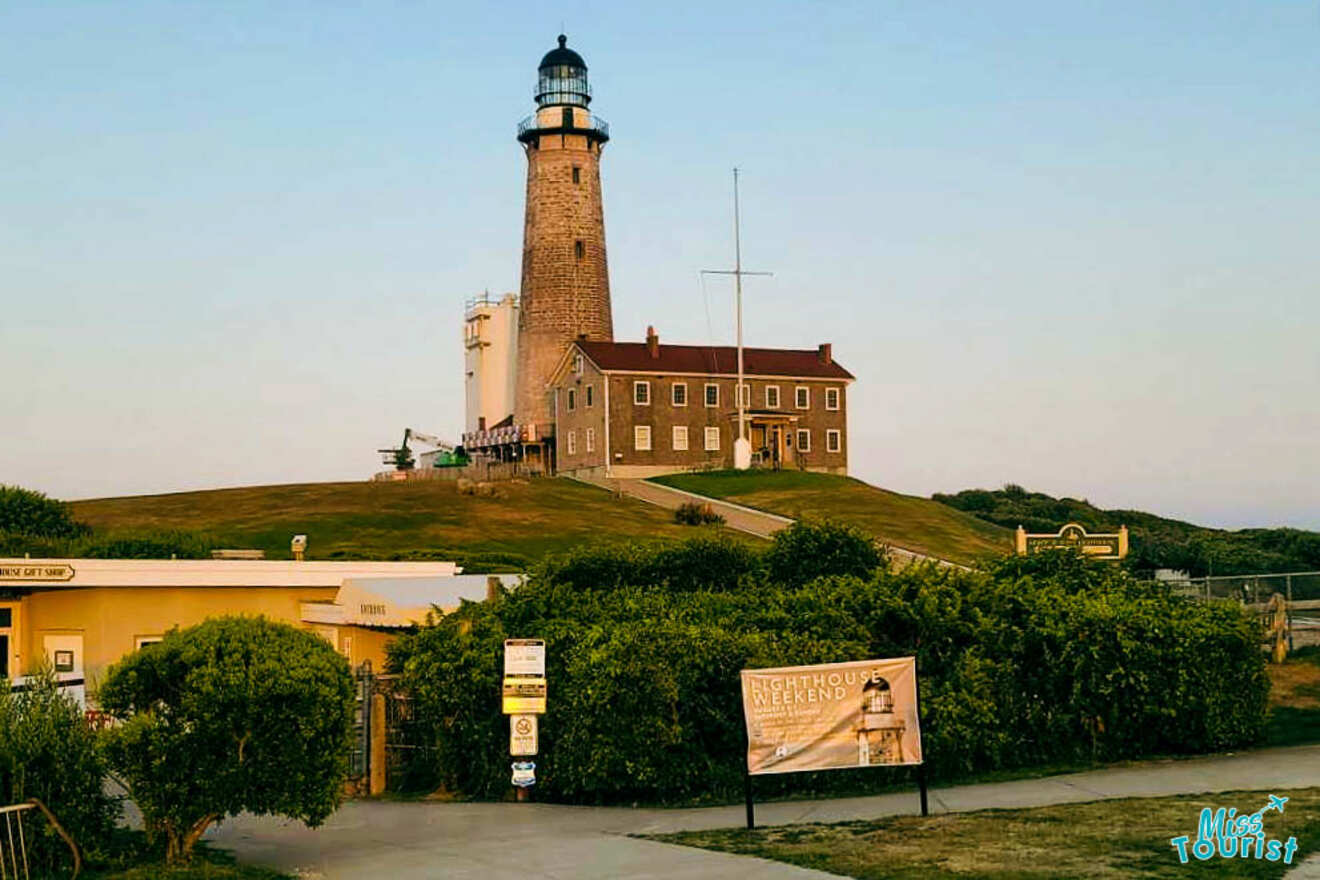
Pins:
x: 565, y: 280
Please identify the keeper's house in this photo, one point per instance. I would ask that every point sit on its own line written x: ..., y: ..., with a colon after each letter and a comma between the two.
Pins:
x: 81, y: 615
x: 637, y: 409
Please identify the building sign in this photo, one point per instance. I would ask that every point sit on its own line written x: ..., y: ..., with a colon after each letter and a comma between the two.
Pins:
x: 832, y: 716
x: 30, y: 572
x: 524, y: 677
x: 1073, y: 537
x: 522, y: 735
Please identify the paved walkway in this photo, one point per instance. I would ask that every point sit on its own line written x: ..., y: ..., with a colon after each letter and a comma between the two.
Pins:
x: 411, y: 841
x: 744, y: 519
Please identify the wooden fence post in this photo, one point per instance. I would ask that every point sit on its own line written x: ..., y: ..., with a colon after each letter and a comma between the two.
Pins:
x: 376, y: 785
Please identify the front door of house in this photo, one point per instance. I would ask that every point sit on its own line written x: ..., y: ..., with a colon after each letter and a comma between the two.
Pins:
x: 6, y: 640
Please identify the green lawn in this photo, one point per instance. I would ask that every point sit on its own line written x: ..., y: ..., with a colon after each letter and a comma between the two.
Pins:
x: 384, y: 520
x: 901, y: 520
x: 1127, y: 838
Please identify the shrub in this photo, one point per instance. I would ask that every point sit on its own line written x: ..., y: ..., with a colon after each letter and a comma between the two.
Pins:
x: 805, y: 551
x: 695, y: 514
x: 1044, y: 660
x: 48, y: 752
x: 26, y: 512
x: 234, y: 714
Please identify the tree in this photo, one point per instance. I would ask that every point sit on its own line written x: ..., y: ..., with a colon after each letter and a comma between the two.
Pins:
x: 48, y: 752
x: 234, y: 714
x: 27, y: 512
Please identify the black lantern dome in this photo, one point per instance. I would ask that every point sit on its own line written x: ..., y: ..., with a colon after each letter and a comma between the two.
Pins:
x: 562, y: 78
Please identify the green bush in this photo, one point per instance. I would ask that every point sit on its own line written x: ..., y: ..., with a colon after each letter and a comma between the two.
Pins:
x: 1044, y: 660
x: 805, y: 551
x: 114, y: 545
x: 697, y: 514
x: 48, y: 752
x: 26, y: 512
x: 236, y: 714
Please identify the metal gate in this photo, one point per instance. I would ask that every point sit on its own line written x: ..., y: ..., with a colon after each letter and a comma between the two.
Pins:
x: 405, y: 749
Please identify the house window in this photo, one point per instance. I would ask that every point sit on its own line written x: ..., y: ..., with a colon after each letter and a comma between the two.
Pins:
x: 712, y: 439
x: 802, y: 397
x: 577, y: 364
x: 572, y: 399
x: 642, y: 393
x: 772, y: 397
x: 680, y: 438
x: 642, y: 438
x: 680, y: 394
x: 572, y: 442
x: 591, y: 399
x: 591, y: 439
x: 831, y: 398
x: 833, y: 440
x: 804, y: 440
x: 746, y: 394
x: 577, y: 174
x: 712, y: 394
x: 140, y: 642
x: 579, y: 250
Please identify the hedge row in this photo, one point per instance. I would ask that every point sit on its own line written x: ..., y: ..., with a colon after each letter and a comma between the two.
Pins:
x: 1042, y: 660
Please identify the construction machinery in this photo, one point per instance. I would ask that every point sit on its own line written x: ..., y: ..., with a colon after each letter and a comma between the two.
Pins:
x: 401, y: 457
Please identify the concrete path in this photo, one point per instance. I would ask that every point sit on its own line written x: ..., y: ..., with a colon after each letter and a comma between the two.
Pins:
x: 744, y: 519
x: 410, y: 841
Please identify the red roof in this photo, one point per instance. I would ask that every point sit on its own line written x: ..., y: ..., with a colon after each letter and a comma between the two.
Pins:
x: 711, y: 360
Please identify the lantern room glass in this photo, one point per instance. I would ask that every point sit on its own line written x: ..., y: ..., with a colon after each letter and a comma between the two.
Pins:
x: 562, y: 84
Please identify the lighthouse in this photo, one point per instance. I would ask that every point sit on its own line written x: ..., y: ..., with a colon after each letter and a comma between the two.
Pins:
x: 565, y: 293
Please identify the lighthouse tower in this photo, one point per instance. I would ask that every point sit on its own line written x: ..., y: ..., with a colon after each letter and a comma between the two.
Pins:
x: 565, y: 280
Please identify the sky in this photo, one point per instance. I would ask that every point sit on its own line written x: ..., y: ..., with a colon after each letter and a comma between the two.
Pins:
x: 1071, y: 246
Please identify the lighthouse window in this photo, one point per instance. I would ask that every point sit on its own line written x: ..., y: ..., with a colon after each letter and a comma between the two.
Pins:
x: 577, y: 174
x: 578, y: 249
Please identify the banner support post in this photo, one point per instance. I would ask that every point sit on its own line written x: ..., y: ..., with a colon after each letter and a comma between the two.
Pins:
x: 747, y: 793
x: 921, y: 768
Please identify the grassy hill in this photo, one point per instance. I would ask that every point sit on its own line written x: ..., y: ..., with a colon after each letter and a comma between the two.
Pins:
x: 902, y: 520
x: 1157, y: 542
x: 417, y: 519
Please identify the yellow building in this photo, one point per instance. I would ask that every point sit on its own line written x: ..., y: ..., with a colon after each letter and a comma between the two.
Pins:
x: 81, y: 615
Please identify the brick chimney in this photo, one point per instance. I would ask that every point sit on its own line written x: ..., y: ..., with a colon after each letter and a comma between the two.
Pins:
x: 825, y: 353
x: 652, y: 342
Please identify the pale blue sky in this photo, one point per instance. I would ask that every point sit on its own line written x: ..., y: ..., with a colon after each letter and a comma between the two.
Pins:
x: 1068, y: 245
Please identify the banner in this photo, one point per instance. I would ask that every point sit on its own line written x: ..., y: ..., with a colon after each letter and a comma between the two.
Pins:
x: 832, y: 716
